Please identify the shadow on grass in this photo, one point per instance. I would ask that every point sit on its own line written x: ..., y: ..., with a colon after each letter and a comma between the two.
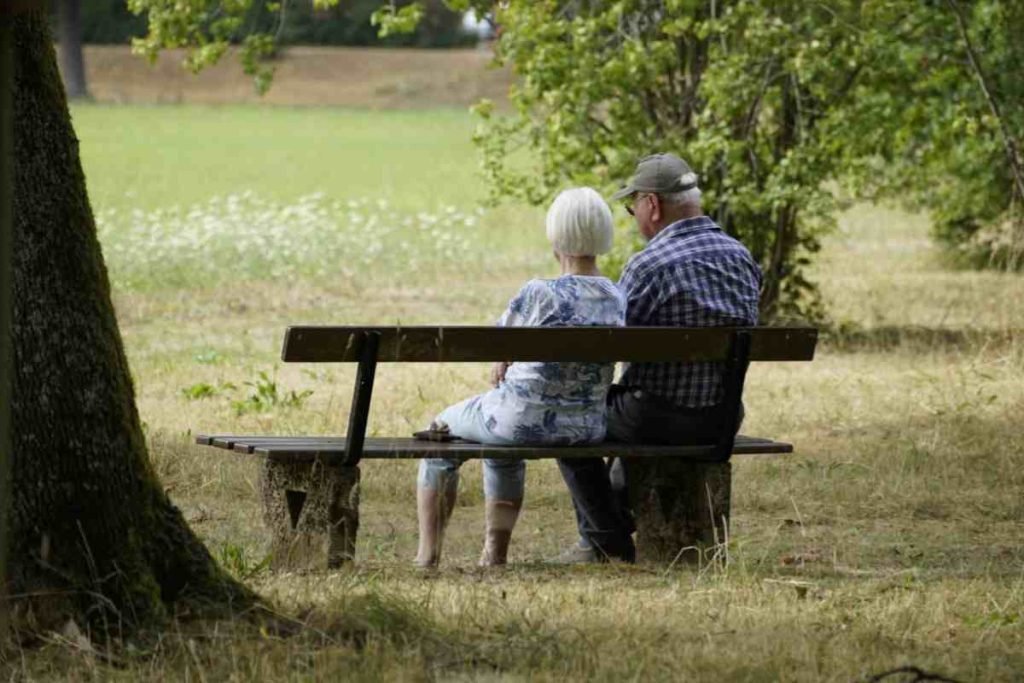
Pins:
x: 383, y: 636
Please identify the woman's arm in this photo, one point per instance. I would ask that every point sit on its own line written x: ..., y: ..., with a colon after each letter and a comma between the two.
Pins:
x: 519, y: 313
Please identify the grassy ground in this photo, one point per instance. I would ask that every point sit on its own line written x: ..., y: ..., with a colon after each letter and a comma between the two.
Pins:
x: 892, y: 537
x: 157, y: 157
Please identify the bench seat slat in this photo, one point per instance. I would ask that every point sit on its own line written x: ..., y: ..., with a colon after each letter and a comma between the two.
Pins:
x: 330, y: 448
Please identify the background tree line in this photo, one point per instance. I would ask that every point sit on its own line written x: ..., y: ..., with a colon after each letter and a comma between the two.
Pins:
x: 288, y: 22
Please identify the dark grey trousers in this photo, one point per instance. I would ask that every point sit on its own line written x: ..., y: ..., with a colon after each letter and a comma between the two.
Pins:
x: 600, y: 490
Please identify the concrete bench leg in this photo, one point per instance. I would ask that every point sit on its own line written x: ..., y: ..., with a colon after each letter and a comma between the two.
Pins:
x: 681, y: 508
x: 312, y: 511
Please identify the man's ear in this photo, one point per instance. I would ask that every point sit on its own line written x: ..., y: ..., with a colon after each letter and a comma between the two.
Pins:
x: 655, y: 208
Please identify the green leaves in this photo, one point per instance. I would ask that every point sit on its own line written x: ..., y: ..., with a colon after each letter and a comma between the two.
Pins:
x: 266, y: 395
x: 208, y: 28
x: 392, y: 19
x: 932, y: 124
x: 743, y: 90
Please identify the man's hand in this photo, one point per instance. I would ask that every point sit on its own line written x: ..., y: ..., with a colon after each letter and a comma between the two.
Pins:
x: 498, y: 371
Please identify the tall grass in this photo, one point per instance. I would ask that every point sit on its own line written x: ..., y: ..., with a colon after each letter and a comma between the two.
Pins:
x: 246, y: 237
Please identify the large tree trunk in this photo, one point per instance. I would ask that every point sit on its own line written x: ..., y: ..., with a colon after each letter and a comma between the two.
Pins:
x: 6, y: 306
x: 72, y: 62
x: 93, y: 535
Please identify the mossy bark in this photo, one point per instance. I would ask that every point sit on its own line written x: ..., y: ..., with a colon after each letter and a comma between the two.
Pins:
x: 93, y: 535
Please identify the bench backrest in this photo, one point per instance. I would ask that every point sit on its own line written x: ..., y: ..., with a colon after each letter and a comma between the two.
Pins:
x: 584, y: 344
x: 735, y: 346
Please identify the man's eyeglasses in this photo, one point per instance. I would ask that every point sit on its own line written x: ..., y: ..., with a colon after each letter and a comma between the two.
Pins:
x: 630, y: 204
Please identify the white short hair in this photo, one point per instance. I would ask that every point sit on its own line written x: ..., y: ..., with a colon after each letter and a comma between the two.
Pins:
x: 691, y: 196
x: 579, y: 223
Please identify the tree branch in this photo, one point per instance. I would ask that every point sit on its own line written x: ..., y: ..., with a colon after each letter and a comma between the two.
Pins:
x: 1009, y: 143
x: 282, y: 18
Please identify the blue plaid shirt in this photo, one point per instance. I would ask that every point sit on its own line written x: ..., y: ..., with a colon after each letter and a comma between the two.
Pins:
x: 691, y: 274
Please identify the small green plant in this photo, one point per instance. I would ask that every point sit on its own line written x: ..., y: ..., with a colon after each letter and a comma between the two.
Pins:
x: 202, y: 390
x: 234, y: 558
x: 266, y: 395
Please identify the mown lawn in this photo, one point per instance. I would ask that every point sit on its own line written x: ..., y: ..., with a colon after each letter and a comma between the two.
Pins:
x: 143, y: 157
x: 893, y: 537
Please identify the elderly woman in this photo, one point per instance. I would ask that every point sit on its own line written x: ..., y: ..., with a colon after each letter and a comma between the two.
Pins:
x: 531, y: 403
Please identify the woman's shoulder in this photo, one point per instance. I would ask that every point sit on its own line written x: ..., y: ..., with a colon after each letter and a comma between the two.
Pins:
x: 566, y: 289
x: 576, y: 282
x: 535, y: 287
x: 565, y: 286
x: 533, y: 293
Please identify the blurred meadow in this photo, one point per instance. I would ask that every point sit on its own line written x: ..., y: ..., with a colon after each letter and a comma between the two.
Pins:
x: 892, y: 537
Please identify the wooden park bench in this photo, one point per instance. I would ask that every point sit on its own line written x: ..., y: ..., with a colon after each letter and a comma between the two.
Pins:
x: 680, y: 494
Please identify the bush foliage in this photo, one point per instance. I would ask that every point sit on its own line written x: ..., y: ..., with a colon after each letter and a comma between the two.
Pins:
x: 943, y: 117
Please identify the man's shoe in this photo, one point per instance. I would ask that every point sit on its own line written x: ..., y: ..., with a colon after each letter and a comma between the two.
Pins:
x: 578, y: 553
x: 584, y: 552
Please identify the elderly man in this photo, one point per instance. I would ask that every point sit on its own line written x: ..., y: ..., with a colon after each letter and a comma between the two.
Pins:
x: 690, y: 274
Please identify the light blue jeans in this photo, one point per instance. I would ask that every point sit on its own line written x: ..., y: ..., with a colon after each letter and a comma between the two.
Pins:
x: 503, y: 479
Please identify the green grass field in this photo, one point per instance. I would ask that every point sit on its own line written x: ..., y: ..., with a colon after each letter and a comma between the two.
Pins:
x: 154, y: 157
x: 892, y: 537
